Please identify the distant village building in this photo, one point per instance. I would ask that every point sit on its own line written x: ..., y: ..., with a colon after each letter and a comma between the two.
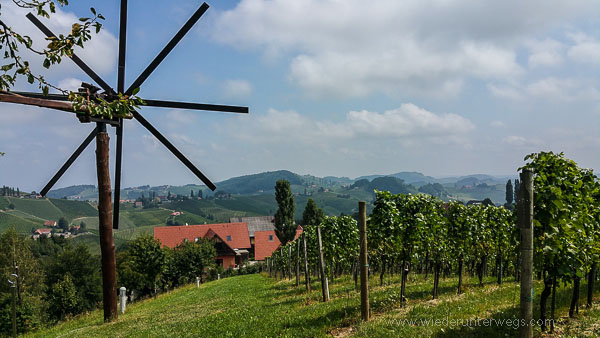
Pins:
x: 44, y: 232
x: 261, y: 230
x: 236, y: 241
x: 231, y: 240
x: 50, y: 224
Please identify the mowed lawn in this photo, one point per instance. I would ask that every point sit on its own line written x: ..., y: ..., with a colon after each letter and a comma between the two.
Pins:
x: 259, y: 306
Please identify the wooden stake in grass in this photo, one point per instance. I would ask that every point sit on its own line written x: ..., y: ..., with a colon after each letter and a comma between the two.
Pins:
x: 324, y: 283
x: 297, y: 262
x: 525, y: 223
x: 306, y: 272
x: 364, y: 264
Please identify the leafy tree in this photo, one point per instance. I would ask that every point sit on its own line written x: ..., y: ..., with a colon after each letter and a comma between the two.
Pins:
x: 191, y: 259
x: 82, y: 226
x: 487, y: 202
x: 15, y: 251
x: 312, y: 215
x: 285, y: 229
x: 84, y: 271
x: 63, y: 224
x: 29, y: 314
x: 64, y: 299
x: 141, y: 266
x: 516, y: 190
x: 11, y: 206
x: 509, y: 192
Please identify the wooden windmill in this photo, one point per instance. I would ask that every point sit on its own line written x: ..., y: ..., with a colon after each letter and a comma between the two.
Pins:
x: 108, y: 218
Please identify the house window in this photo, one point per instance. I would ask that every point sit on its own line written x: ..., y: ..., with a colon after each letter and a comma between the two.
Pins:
x: 196, y: 240
x: 185, y: 240
x: 270, y: 238
x: 228, y: 238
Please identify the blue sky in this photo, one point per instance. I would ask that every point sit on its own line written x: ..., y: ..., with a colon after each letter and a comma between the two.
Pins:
x: 344, y: 88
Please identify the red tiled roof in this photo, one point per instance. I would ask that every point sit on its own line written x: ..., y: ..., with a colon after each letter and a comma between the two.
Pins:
x: 263, y: 247
x: 171, y: 236
x: 50, y: 223
x: 43, y: 231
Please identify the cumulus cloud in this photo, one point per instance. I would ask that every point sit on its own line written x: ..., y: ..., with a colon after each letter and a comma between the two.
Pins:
x: 545, y: 53
x: 237, y: 88
x: 585, y: 50
x: 406, y: 123
x: 549, y: 88
x: 349, y: 49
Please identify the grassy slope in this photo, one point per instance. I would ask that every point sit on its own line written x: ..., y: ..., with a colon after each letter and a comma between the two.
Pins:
x: 73, y: 209
x: 256, y: 306
x: 42, y: 208
x: 22, y: 225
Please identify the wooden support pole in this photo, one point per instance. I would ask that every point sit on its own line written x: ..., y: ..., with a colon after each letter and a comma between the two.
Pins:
x: 324, y: 283
x: 525, y: 224
x: 289, y: 262
x: 297, y: 262
x: 306, y: 272
x: 364, y: 264
x: 107, y: 246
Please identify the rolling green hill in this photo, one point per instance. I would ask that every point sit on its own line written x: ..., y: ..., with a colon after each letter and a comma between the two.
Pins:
x: 42, y: 208
x: 73, y: 209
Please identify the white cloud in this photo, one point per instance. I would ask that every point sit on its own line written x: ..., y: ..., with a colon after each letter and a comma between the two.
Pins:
x: 349, y: 48
x: 520, y: 141
x: 70, y: 83
x: 549, y: 89
x: 585, y: 50
x: 237, y: 88
x: 497, y: 124
x: 406, y: 123
x: 565, y: 89
x: 100, y: 53
x: 545, y: 53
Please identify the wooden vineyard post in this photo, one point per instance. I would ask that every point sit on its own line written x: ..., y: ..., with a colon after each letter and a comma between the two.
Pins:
x: 364, y: 264
x: 298, y: 263
x: 324, y: 283
x: 525, y: 224
x: 306, y: 272
x: 289, y: 262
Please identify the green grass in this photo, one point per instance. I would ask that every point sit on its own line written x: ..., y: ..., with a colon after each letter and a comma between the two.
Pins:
x: 258, y: 306
x: 4, y: 203
x: 21, y: 225
x: 42, y: 208
x: 74, y: 209
x: 133, y: 233
x: 145, y: 217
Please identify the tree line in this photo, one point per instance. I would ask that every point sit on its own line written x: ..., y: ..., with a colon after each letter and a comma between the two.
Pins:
x: 58, y: 279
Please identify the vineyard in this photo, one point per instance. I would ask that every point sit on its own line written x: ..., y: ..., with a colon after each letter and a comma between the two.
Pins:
x: 421, y: 234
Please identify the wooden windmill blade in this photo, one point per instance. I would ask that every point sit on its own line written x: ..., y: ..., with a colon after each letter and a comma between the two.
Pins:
x: 54, y: 101
x: 119, y: 130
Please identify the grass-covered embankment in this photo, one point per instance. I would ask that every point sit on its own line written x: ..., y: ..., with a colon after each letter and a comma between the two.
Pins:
x: 258, y: 306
